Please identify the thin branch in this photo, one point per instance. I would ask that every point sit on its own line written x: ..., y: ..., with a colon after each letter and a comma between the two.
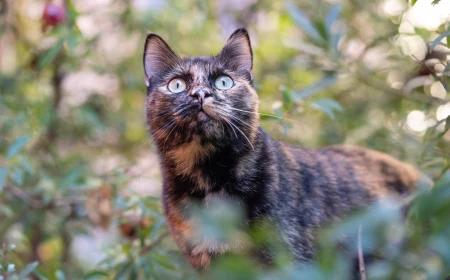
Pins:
x: 38, y: 203
x: 362, y: 269
x: 155, y: 242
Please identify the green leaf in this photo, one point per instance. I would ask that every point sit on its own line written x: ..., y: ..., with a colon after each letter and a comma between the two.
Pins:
x: 28, y: 269
x: 439, y: 39
x: 447, y: 124
x: 6, y: 211
x: 15, y: 147
x: 328, y: 106
x: 413, y: 2
x: 46, y: 59
x: 302, y: 20
x: 96, y: 274
x: 26, y: 164
x: 3, y: 176
x: 307, y: 92
x: 17, y: 176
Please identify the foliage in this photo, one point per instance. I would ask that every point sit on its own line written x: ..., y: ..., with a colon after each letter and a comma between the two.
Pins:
x: 74, y: 144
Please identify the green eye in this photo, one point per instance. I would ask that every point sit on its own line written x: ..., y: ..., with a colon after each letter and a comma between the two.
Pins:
x: 176, y: 85
x: 223, y: 83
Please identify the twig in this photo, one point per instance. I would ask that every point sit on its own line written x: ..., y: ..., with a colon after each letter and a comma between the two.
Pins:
x: 29, y: 200
x: 37, y: 203
x: 362, y: 269
x: 155, y: 242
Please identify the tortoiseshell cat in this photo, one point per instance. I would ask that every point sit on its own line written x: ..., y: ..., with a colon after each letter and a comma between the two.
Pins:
x: 202, y: 116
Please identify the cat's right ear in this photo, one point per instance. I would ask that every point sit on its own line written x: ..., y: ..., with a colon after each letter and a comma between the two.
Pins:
x: 158, y: 57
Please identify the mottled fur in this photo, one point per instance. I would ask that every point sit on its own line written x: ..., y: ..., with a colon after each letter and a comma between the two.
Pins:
x: 222, y: 152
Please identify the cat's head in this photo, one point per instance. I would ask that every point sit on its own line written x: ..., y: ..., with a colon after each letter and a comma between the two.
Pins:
x: 210, y: 99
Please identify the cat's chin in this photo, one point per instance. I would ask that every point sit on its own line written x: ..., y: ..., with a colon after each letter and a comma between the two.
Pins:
x: 202, y: 116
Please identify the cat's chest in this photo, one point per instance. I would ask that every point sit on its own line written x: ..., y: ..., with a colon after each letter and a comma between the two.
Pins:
x: 202, y: 167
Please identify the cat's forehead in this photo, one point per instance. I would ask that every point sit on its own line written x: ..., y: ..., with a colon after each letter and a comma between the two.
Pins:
x: 200, y: 64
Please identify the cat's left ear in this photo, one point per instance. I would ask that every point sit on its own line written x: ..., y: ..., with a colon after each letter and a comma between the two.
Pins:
x: 237, y: 52
x: 158, y: 57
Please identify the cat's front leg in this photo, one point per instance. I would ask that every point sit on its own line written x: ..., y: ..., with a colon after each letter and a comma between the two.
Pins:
x: 183, y: 232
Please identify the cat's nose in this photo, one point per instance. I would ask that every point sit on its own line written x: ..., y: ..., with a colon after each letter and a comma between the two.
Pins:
x: 201, y: 94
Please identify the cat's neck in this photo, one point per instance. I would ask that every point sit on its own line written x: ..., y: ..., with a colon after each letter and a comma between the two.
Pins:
x: 199, y: 166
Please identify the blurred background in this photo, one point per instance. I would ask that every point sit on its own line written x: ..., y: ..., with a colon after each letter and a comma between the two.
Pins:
x: 79, y: 178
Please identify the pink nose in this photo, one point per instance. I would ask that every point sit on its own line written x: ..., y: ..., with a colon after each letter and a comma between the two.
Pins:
x: 201, y: 94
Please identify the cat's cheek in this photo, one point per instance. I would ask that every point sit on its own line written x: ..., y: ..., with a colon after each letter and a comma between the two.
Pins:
x: 210, y: 108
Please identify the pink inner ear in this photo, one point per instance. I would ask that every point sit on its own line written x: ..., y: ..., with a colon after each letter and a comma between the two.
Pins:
x: 157, y: 56
x: 245, y: 52
x: 238, y: 51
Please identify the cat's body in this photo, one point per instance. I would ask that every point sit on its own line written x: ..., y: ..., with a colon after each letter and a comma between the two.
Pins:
x: 211, y: 146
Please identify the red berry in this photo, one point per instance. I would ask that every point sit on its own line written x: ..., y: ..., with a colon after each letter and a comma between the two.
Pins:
x: 53, y: 14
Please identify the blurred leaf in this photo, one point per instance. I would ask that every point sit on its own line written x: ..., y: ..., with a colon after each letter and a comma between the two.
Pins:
x: 46, y: 59
x: 17, y: 176
x: 96, y: 274
x: 315, y: 88
x: 303, y: 21
x: 332, y: 16
x: 287, y: 98
x: 3, y: 176
x: 28, y: 269
x: 6, y: 211
x: 15, y: 147
x: 10, y: 248
x: 11, y: 268
x: 438, y: 40
x: 328, y: 106
x: 60, y: 275
x: 26, y: 164
x: 446, y: 128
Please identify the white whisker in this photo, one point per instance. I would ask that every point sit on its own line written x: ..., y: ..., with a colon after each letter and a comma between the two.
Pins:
x: 263, y: 114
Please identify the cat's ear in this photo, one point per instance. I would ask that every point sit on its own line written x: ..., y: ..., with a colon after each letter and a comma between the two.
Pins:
x: 158, y: 57
x: 238, y: 51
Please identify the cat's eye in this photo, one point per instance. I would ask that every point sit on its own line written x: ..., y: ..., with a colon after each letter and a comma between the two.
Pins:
x: 176, y: 85
x: 223, y: 83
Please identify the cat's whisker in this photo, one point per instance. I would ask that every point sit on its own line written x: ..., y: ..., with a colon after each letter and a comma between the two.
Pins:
x: 164, y: 144
x: 264, y: 114
x: 224, y: 118
x: 243, y: 134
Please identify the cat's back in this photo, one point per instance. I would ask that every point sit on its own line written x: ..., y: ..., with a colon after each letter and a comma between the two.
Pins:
x: 317, y: 186
x: 330, y: 181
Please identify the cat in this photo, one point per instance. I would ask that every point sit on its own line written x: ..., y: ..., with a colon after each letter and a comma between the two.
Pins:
x: 202, y: 114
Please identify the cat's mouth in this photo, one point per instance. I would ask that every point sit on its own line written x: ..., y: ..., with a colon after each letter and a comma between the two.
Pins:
x: 202, y: 115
